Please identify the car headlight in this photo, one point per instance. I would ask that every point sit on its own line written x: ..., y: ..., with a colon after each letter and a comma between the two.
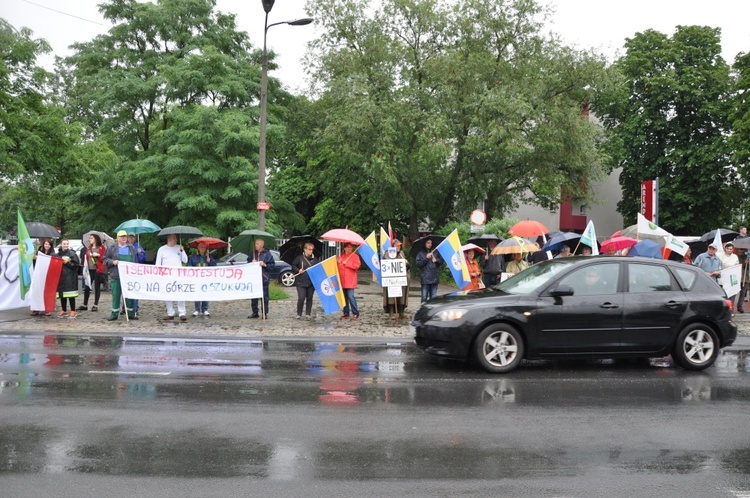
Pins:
x: 449, y: 315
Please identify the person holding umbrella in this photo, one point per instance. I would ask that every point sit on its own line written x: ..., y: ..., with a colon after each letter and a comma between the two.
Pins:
x: 517, y: 265
x: 349, y: 264
x: 115, y: 253
x: 427, y: 262
x: 493, y: 265
x: 201, y: 258
x: 262, y: 256
x: 474, y: 272
x: 171, y: 254
x: 140, y: 254
x: 305, y: 288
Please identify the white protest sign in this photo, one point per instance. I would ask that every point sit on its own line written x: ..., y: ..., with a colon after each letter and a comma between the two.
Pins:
x: 730, y: 280
x: 393, y: 272
x: 191, y: 283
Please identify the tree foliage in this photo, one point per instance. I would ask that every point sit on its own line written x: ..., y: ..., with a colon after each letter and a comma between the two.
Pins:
x: 173, y: 90
x: 426, y: 108
x: 669, y: 120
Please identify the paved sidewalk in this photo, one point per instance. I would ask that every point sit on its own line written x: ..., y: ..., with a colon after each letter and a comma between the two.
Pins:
x: 230, y: 319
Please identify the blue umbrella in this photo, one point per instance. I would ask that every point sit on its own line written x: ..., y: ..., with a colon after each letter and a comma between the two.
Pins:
x: 138, y: 226
x: 556, y: 241
x: 646, y: 249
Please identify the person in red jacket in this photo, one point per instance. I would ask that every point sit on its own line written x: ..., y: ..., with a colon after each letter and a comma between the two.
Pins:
x: 349, y: 263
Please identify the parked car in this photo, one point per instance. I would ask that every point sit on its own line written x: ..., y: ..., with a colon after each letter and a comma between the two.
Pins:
x: 583, y: 307
x: 282, y: 272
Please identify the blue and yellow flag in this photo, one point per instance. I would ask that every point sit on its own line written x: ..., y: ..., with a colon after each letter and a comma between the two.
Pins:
x: 325, y: 279
x: 385, y: 241
x: 450, y: 250
x: 369, y: 254
x: 25, y: 256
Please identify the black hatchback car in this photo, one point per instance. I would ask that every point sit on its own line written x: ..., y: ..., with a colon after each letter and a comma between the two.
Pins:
x: 583, y: 307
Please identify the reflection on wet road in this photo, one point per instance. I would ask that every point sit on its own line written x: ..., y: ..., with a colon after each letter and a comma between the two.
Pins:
x: 301, y: 412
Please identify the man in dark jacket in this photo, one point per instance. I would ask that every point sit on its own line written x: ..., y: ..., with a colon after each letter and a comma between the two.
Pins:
x: 265, y: 258
x: 428, y: 261
x: 492, y: 265
x: 121, y: 251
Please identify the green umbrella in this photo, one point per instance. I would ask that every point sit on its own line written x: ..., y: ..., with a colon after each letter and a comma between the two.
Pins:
x: 245, y: 241
x: 138, y: 226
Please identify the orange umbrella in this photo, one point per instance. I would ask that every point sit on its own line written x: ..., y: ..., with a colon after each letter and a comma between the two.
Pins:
x: 528, y: 228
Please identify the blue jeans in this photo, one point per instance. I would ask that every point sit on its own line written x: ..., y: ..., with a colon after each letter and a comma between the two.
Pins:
x: 201, y: 306
x: 429, y: 291
x: 254, y: 302
x: 351, y: 302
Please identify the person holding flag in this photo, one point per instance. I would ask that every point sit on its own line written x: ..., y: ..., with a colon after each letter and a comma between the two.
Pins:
x: 327, y: 282
x: 385, y: 240
x: 369, y: 254
x: 589, y: 238
x: 396, y: 305
x: 450, y: 250
x: 428, y: 263
x: 348, y: 265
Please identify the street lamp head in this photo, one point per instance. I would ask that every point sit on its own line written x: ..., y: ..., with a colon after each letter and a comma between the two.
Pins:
x: 301, y: 22
x: 268, y: 5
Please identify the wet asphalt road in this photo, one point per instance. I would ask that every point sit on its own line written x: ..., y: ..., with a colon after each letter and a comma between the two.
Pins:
x: 123, y: 416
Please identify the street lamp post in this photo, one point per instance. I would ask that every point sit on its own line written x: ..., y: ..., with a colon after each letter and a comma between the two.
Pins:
x: 262, y: 206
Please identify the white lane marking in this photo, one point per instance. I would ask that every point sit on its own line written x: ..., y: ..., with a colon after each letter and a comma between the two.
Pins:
x: 125, y: 372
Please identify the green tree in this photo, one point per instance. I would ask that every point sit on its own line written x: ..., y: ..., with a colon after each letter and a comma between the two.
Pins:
x: 670, y: 121
x: 740, y: 138
x: 173, y: 90
x: 426, y: 108
x: 37, y: 146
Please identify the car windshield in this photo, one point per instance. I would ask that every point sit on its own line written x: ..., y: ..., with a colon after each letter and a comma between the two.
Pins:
x: 531, y: 279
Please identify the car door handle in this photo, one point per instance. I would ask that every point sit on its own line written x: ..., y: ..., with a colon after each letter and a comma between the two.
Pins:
x: 609, y: 306
x: 674, y: 304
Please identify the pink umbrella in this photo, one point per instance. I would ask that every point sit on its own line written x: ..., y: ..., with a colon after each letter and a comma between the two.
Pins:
x: 619, y: 243
x: 478, y: 250
x: 343, y: 235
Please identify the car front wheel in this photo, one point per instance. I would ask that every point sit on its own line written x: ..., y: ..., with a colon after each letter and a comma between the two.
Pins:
x: 697, y: 347
x: 287, y: 278
x: 499, y: 348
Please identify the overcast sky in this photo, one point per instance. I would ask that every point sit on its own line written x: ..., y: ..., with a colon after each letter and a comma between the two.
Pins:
x: 598, y: 24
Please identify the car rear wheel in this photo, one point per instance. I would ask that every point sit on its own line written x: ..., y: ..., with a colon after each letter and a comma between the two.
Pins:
x: 499, y: 348
x: 287, y: 278
x: 697, y: 347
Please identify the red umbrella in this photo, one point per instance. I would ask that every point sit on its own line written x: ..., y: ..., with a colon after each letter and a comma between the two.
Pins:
x: 619, y: 243
x: 343, y: 235
x: 211, y: 243
x: 528, y: 228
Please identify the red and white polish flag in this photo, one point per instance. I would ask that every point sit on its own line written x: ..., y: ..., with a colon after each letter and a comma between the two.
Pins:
x: 43, y: 291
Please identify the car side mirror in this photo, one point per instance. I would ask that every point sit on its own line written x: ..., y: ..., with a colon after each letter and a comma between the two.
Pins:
x: 562, y: 290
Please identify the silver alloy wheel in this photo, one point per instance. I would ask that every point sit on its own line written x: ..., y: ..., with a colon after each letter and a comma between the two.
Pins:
x: 500, y: 348
x: 698, y: 346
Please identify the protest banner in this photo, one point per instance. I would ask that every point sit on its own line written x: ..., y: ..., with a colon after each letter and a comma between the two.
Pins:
x: 191, y: 283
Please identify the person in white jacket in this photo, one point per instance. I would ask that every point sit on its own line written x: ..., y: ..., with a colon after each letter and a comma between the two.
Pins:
x: 171, y: 254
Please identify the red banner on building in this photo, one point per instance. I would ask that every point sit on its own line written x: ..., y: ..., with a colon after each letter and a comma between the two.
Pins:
x: 650, y: 200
